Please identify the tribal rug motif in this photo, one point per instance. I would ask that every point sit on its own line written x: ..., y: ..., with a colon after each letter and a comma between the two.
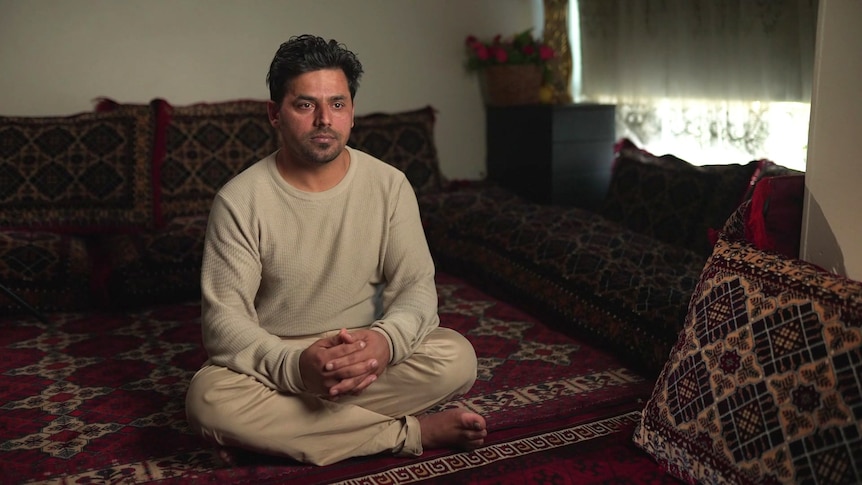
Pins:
x: 98, y: 398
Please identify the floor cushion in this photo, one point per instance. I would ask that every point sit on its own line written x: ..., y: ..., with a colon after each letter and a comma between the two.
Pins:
x: 157, y: 266
x: 46, y: 270
x: 586, y: 275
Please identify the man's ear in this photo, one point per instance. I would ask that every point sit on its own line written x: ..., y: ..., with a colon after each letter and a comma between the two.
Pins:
x: 272, y: 112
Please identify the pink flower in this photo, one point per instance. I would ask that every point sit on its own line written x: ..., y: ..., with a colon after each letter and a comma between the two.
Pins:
x: 481, y: 52
x: 521, y: 48
x: 545, y: 52
x: 500, y: 54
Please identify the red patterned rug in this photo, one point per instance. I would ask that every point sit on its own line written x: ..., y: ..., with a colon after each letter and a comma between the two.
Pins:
x: 99, y: 399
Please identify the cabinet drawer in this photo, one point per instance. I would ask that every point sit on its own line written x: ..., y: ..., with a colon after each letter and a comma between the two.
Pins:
x: 559, y: 154
x: 584, y: 122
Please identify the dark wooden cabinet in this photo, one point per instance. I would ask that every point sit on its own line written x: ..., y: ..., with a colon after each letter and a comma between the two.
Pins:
x: 553, y: 154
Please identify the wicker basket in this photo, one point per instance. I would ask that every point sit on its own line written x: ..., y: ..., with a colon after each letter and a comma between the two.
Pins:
x: 510, y: 85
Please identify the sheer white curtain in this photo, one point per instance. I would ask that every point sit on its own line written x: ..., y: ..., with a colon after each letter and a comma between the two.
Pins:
x: 711, y: 81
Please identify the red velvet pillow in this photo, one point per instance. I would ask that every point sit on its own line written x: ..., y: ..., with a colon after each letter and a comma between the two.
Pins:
x: 774, y: 222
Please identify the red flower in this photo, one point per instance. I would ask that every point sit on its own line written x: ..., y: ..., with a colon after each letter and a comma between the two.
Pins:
x: 481, y: 52
x: 520, y: 48
x: 500, y: 55
x: 545, y: 52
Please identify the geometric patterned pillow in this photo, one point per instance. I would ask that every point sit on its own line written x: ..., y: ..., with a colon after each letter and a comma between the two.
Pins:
x: 87, y: 173
x: 734, y: 227
x: 404, y: 140
x: 206, y: 145
x: 49, y: 271
x: 764, y: 384
x: 674, y: 201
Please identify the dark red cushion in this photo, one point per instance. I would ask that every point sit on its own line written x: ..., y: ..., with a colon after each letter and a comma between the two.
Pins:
x: 774, y: 222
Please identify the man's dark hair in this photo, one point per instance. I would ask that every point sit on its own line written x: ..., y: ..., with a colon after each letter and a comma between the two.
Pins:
x: 307, y: 53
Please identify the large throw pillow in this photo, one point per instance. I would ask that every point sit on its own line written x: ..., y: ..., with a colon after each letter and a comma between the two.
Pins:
x: 674, y: 201
x: 206, y: 145
x: 404, y: 140
x: 86, y: 173
x: 764, y: 384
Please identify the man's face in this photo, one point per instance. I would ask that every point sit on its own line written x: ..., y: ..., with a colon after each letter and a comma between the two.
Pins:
x: 315, y: 117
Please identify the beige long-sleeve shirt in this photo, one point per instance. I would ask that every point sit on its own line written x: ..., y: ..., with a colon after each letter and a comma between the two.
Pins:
x: 280, y: 262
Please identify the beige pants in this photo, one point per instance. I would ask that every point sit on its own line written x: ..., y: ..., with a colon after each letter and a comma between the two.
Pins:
x: 237, y: 410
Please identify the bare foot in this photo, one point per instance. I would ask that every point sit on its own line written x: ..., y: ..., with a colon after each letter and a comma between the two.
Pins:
x: 227, y: 455
x: 452, y: 428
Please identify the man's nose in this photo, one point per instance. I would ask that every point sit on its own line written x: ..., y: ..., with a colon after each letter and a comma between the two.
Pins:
x: 322, y: 116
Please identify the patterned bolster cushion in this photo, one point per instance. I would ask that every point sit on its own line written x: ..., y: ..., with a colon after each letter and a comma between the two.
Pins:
x: 586, y: 274
x: 87, y: 173
x: 764, y: 384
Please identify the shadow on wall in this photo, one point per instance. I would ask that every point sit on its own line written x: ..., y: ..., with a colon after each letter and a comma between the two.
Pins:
x: 820, y: 245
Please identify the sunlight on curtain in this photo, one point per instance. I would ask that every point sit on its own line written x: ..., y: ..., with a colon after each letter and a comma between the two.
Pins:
x: 710, y: 81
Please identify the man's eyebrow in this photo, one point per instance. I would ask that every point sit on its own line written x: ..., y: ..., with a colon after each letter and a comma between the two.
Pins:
x: 306, y: 97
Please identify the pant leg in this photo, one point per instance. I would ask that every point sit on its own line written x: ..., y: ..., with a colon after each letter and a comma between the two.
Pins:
x: 237, y: 410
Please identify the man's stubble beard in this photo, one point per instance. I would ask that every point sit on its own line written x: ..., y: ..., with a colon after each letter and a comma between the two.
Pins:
x: 317, y: 154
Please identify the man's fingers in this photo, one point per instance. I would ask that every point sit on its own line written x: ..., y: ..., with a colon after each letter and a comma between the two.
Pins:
x: 344, y: 355
x: 346, y: 379
x: 346, y: 336
x: 352, y: 370
x: 334, y: 341
x: 364, y: 384
x: 353, y: 385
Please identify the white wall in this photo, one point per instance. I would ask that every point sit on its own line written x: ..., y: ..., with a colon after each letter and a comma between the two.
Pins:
x: 56, y: 56
x: 832, y: 227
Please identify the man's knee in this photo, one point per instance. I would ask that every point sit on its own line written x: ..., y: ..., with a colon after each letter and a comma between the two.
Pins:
x: 201, y: 413
x: 458, y: 356
x: 212, y: 405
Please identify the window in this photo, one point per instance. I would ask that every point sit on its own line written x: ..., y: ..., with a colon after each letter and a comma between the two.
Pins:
x: 710, y: 81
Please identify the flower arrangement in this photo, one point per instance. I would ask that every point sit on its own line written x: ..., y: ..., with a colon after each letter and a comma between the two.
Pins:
x: 521, y: 48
